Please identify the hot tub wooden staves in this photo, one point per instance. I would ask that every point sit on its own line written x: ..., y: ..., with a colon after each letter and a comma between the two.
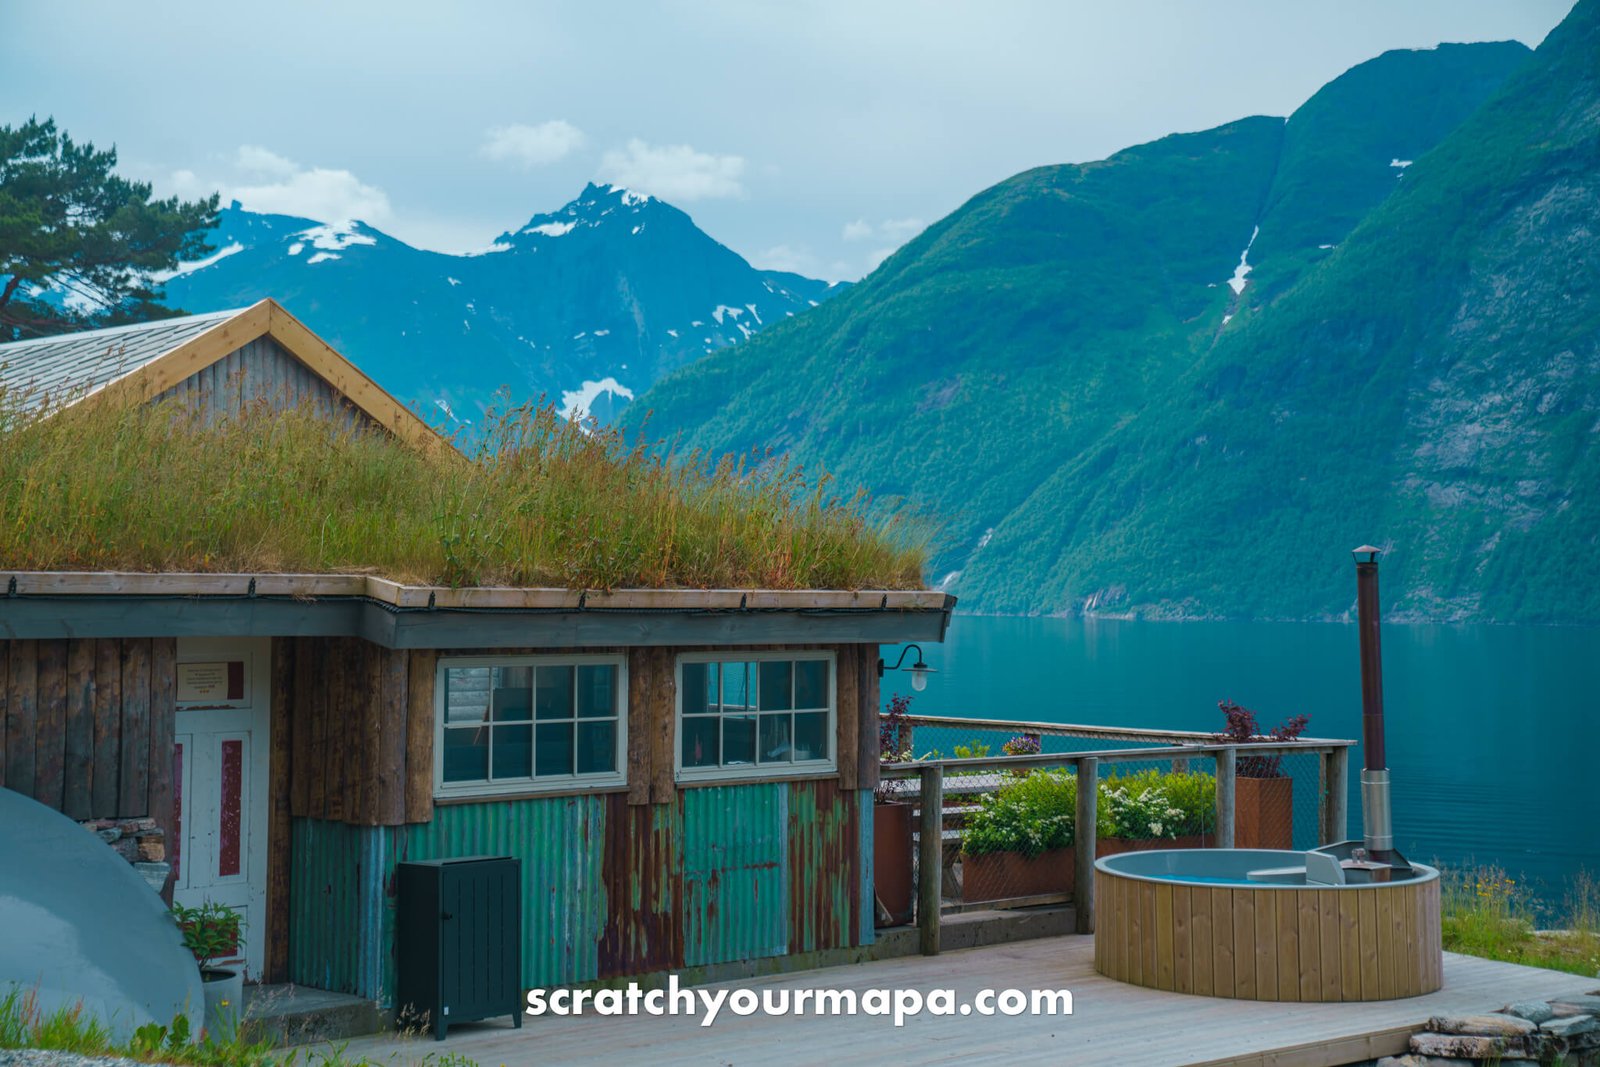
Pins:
x: 1289, y: 943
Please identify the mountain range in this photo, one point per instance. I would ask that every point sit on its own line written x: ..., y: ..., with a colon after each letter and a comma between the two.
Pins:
x: 1184, y: 381
x: 586, y: 305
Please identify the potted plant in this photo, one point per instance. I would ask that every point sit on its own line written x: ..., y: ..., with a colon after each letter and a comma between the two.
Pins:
x: 1018, y: 841
x: 1263, y: 802
x: 211, y: 932
x: 892, y: 821
x: 1151, y: 810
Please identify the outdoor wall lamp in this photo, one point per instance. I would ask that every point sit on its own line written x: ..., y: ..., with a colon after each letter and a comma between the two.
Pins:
x: 919, y: 670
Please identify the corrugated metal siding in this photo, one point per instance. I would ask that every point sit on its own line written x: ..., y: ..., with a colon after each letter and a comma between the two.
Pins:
x: 867, y: 929
x: 824, y: 893
x: 644, y: 889
x: 735, y: 872
x: 337, y: 932
x: 728, y: 873
x: 560, y: 843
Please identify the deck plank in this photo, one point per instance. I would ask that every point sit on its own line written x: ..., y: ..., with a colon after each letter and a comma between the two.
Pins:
x: 1111, y: 1023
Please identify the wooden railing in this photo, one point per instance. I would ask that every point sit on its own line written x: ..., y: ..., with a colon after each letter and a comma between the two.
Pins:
x: 1180, y: 747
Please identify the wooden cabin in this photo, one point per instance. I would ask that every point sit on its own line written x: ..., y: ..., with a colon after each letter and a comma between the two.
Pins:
x: 685, y: 775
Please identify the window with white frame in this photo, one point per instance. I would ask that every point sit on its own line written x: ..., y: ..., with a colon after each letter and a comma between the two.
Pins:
x: 508, y: 725
x: 755, y: 714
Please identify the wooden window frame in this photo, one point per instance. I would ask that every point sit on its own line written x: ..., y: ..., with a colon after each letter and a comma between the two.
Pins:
x: 569, y: 783
x: 758, y: 771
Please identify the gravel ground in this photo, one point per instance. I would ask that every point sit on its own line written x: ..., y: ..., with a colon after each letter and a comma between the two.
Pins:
x: 33, y: 1057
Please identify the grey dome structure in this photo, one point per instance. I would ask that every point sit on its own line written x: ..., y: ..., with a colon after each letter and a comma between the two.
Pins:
x: 79, y: 925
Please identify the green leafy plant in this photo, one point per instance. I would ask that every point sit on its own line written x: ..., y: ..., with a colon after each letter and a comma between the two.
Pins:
x: 1136, y: 816
x: 210, y: 931
x: 974, y: 749
x: 1193, y: 794
x: 1033, y: 814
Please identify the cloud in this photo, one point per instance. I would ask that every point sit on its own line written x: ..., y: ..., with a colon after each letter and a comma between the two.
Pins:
x: 533, y: 146
x: 276, y: 185
x: 802, y: 261
x: 674, y: 172
x: 898, y: 231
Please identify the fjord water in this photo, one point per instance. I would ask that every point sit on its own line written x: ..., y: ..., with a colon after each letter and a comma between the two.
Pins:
x: 1493, y: 732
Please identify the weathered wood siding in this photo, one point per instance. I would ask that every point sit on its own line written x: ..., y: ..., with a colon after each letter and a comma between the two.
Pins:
x: 86, y: 726
x: 360, y: 730
x: 262, y: 373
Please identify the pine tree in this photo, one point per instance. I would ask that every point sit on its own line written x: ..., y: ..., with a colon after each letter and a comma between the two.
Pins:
x: 70, y: 225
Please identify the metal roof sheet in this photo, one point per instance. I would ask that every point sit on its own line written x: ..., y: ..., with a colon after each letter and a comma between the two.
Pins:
x: 56, y: 370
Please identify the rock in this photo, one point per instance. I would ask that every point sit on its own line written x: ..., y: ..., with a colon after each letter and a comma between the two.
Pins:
x: 1579, y: 1004
x: 1482, y: 1025
x: 1571, y: 1026
x: 109, y: 835
x: 152, y: 850
x: 1423, y: 1061
x: 1466, y: 1046
x: 1535, y: 1011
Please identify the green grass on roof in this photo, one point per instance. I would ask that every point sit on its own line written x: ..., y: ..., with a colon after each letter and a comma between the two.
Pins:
x: 103, y: 487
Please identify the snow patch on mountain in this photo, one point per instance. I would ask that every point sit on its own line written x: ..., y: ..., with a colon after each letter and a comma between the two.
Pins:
x: 1236, y: 283
x: 199, y: 264
x: 336, y: 237
x: 552, y: 229
x: 576, y: 403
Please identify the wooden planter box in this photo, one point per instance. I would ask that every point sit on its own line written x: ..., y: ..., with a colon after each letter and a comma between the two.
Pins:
x: 1263, y: 813
x: 998, y: 875
x: 1111, y: 846
x: 891, y: 862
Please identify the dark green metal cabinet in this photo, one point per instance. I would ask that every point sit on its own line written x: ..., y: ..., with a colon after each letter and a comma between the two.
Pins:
x: 458, y: 927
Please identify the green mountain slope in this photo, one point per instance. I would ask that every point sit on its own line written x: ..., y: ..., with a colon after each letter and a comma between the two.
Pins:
x: 1434, y: 386
x: 1037, y: 366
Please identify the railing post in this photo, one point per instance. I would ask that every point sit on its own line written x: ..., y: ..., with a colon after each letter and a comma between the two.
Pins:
x: 930, y: 858
x: 1225, y: 767
x: 1084, y: 844
x: 1335, y: 800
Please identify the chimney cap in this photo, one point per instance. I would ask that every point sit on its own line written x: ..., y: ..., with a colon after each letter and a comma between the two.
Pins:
x: 1370, y: 551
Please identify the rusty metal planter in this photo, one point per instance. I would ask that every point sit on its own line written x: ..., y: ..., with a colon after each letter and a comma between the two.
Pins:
x: 1111, y: 846
x: 998, y: 875
x: 1263, y: 813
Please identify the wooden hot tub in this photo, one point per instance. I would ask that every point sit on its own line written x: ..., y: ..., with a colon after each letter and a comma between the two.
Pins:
x: 1189, y: 921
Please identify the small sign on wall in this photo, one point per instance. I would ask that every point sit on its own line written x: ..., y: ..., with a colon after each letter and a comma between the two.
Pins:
x: 211, y: 683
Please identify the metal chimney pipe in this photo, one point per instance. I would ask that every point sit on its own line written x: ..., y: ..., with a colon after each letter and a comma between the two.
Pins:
x: 1376, y: 821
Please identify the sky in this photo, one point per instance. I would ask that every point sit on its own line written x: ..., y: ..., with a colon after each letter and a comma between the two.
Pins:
x: 811, y: 135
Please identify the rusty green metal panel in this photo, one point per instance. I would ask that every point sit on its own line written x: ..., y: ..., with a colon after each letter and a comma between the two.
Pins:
x: 560, y: 843
x: 867, y: 932
x: 336, y: 894
x: 735, y: 872
x: 824, y: 848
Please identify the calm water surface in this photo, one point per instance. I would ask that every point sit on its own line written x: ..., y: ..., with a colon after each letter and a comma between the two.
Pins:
x: 1493, y: 732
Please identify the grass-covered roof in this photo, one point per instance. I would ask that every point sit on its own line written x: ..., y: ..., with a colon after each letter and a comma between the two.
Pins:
x: 541, y: 502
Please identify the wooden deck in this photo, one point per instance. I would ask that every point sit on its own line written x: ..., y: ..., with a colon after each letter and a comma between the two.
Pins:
x: 1112, y: 1023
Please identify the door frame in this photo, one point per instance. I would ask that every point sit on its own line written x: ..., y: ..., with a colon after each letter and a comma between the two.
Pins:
x: 253, y: 713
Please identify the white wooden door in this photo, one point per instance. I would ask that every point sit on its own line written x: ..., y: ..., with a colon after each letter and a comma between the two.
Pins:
x: 220, y: 782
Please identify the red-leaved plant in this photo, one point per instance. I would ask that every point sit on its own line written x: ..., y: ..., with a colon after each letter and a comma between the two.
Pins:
x: 1243, y: 730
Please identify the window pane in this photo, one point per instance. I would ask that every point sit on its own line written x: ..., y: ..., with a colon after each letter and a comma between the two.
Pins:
x: 554, y: 753
x: 597, y: 691
x: 811, y: 683
x: 738, y: 739
x: 700, y: 742
x: 555, y: 693
x: 513, y: 677
x: 513, y: 751
x: 466, y: 694
x: 699, y: 683
x: 513, y: 704
x: 811, y: 735
x: 735, y: 686
x: 776, y: 676
x: 775, y: 738
x: 466, y: 755
x: 597, y: 747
